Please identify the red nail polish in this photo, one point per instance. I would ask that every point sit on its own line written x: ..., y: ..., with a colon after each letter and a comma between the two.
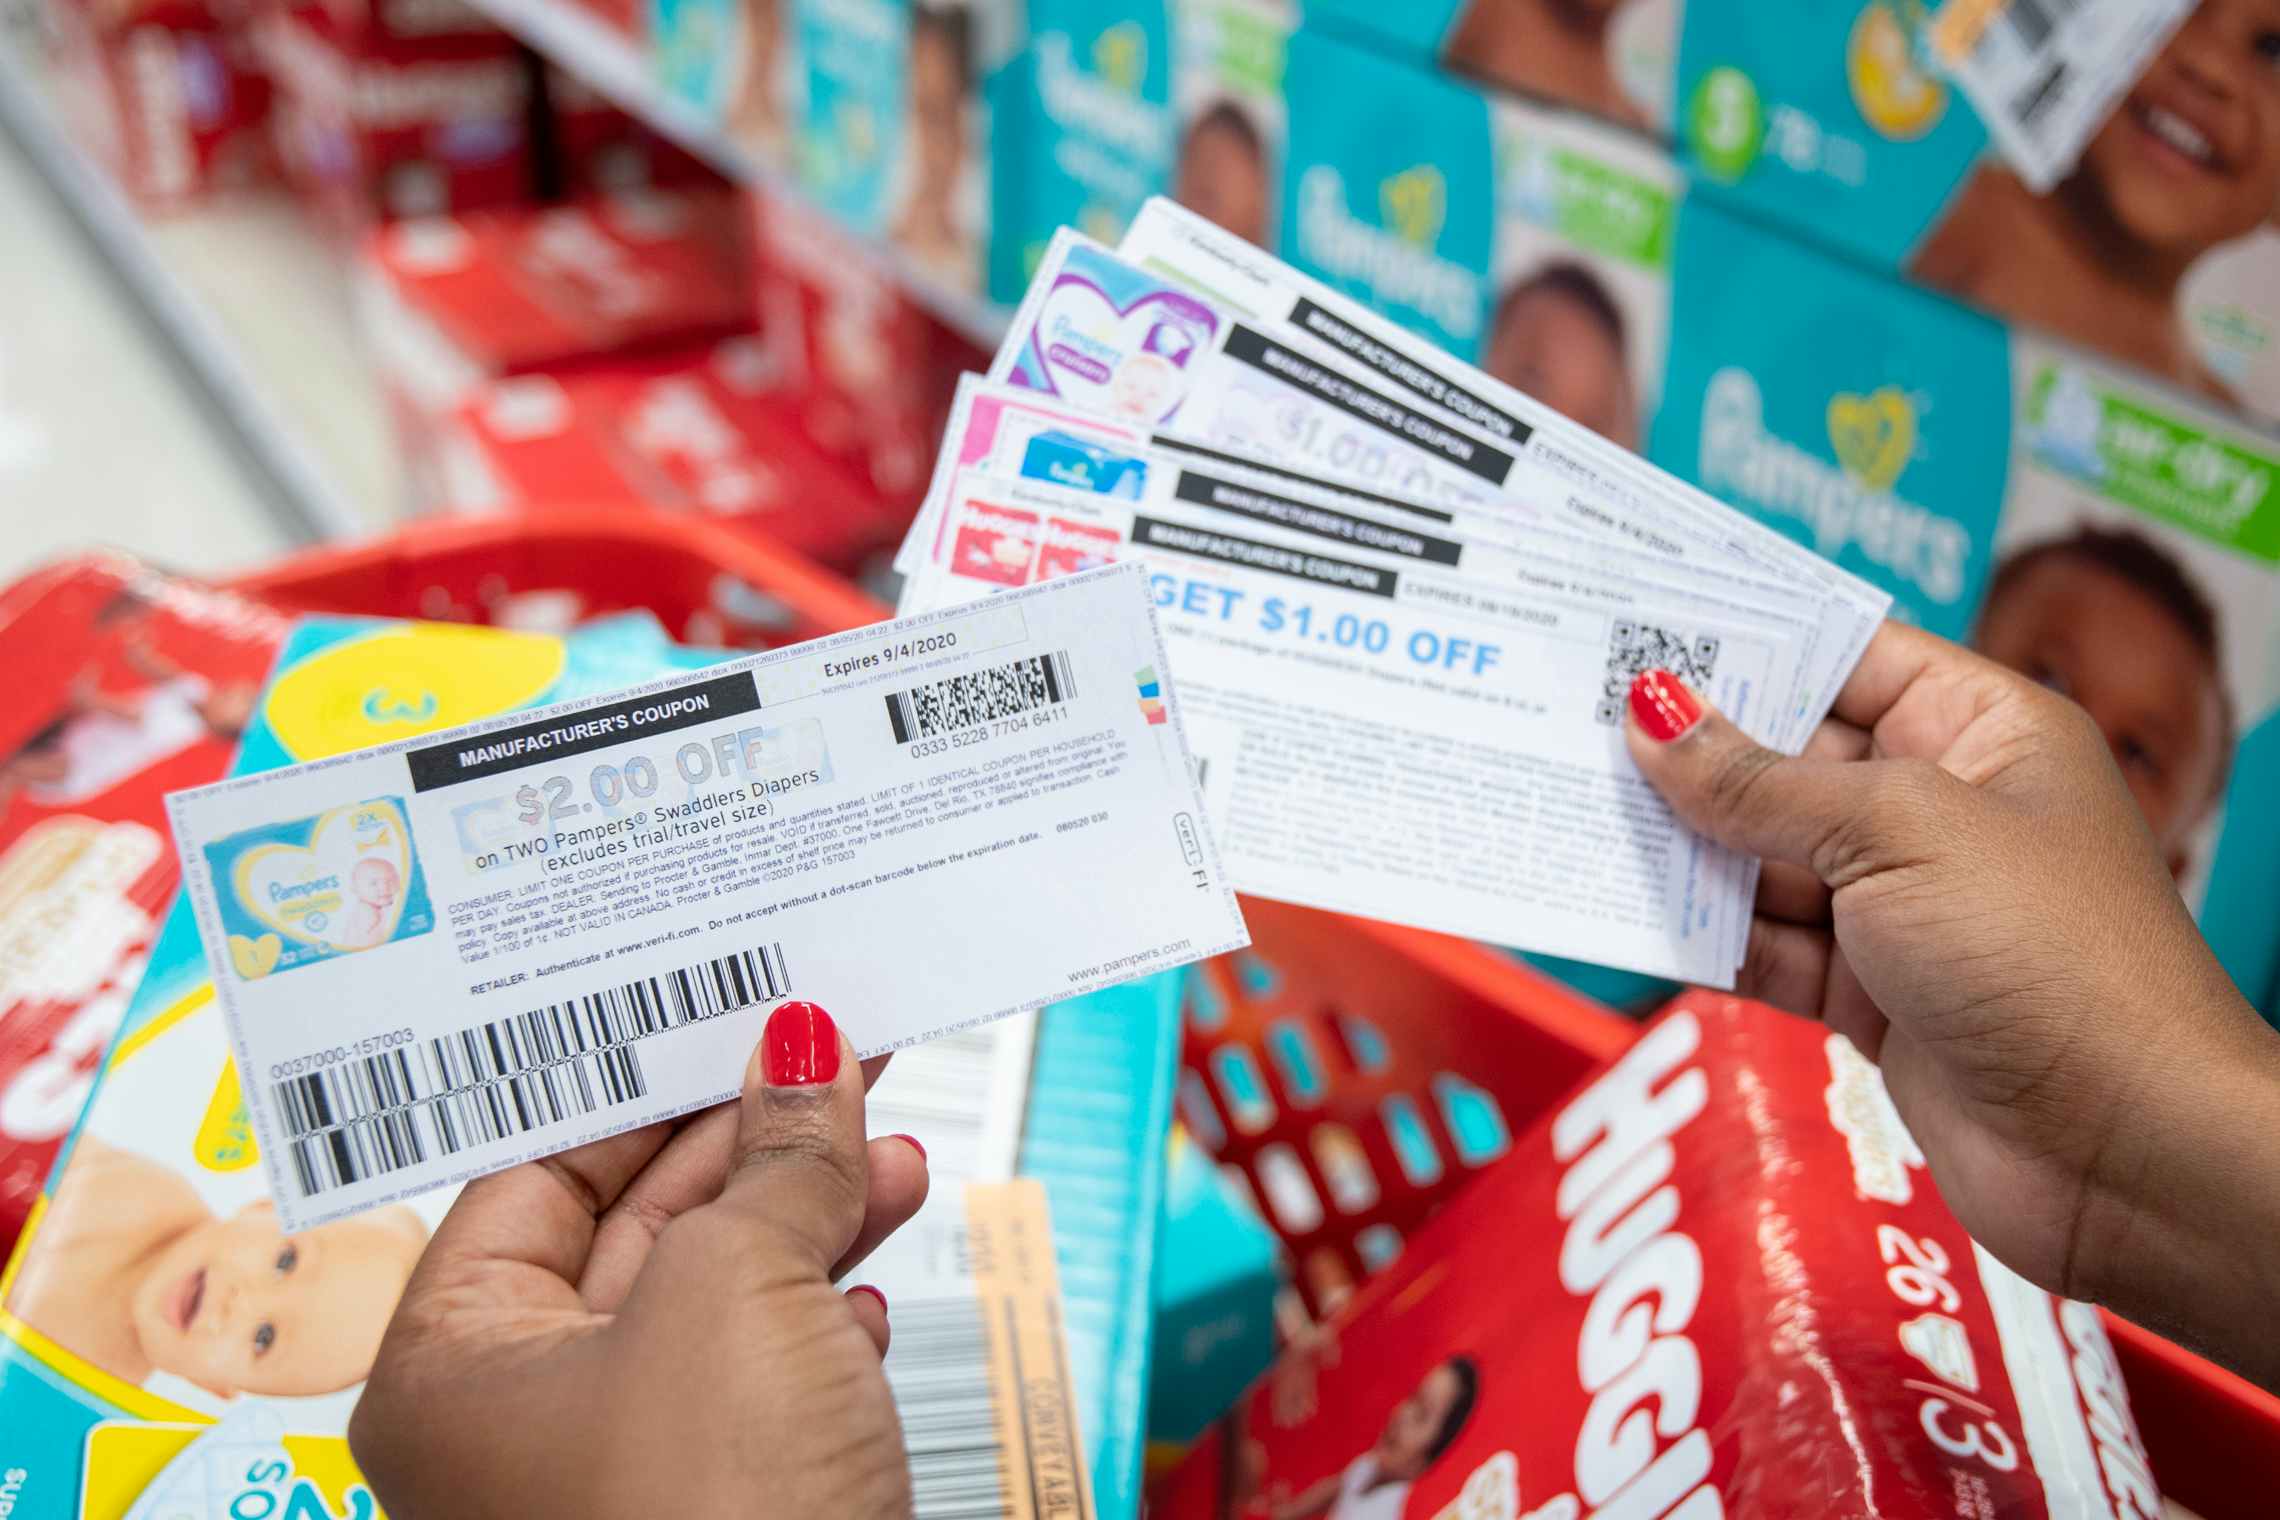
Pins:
x: 875, y: 1293
x: 1663, y: 705
x: 912, y: 1142
x: 800, y: 1047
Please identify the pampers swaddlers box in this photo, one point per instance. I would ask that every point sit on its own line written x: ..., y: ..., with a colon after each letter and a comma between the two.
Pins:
x: 2068, y: 517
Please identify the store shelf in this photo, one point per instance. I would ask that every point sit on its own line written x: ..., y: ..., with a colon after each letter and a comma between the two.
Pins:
x: 250, y: 309
x: 580, y: 44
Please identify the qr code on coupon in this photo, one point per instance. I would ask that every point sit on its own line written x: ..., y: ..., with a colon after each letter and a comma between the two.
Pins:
x: 1636, y: 647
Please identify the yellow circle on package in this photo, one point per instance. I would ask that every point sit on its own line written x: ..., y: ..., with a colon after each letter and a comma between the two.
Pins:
x: 1895, y: 94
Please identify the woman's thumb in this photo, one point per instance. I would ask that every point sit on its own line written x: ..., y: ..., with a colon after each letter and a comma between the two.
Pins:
x: 1831, y: 816
x: 800, y: 1169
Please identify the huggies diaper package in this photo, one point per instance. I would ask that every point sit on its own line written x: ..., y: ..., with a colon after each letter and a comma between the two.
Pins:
x: 2106, y: 171
x: 2067, y: 516
x: 1715, y: 1281
x: 124, y: 685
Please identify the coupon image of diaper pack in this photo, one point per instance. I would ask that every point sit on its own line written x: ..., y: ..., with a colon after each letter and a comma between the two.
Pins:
x: 126, y: 684
x: 2075, y: 519
x: 2094, y: 171
x: 1715, y: 1280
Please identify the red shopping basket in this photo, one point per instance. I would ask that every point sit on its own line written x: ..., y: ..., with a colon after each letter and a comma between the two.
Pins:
x: 708, y: 584
x: 1355, y: 1075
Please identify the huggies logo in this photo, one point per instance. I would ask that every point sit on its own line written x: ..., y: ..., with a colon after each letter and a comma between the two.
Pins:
x: 1640, y: 1437
x: 2098, y: 1379
x: 1396, y: 262
x: 1105, y: 102
x: 1874, y: 437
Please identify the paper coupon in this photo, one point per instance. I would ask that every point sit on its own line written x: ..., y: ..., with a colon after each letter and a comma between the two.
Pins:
x: 446, y: 956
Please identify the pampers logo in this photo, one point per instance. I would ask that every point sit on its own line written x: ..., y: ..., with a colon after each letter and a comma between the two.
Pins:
x: 1104, y: 103
x: 1396, y: 262
x: 1849, y: 504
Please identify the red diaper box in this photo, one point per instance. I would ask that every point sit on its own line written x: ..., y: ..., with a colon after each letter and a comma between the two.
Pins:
x: 875, y: 371
x: 708, y: 432
x: 448, y: 302
x: 169, y: 96
x: 593, y: 146
x: 377, y: 116
x: 1716, y: 1281
x: 123, y: 685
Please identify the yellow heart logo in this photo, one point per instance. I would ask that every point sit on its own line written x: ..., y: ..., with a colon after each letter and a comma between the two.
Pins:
x: 344, y: 889
x: 1120, y: 56
x: 1415, y: 204
x: 405, y: 682
x: 1874, y: 435
x: 255, y: 958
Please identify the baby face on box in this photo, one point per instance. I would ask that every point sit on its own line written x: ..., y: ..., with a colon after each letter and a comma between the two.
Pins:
x: 159, y: 1260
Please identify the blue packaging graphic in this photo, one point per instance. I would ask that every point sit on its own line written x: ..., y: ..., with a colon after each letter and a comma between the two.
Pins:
x: 313, y: 888
x: 1069, y: 461
x: 1867, y: 421
x: 1391, y: 201
x: 1085, y: 99
x: 1096, y: 105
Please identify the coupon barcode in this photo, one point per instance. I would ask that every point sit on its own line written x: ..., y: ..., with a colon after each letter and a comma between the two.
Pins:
x: 372, y: 1115
x: 981, y: 696
x: 939, y: 1369
x: 1635, y: 648
x: 2022, y: 30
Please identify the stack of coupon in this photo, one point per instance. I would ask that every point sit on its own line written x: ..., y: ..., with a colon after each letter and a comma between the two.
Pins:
x: 1402, y: 602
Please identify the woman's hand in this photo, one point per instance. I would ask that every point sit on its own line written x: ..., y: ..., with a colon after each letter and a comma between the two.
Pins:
x: 1956, y: 879
x: 647, y: 1325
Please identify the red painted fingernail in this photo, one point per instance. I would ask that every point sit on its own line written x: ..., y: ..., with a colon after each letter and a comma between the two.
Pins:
x: 800, y: 1047
x: 875, y: 1293
x: 912, y: 1142
x: 1662, y: 704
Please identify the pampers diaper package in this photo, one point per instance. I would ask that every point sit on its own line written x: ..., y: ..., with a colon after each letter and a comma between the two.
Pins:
x: 2071, y: 518
x: 1106, y: 102
x: 2104, y: 170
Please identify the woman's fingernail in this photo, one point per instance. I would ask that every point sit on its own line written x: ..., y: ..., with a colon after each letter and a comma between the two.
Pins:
x: 800, y: 1047
x: 912, y: 1142
x: 1663, y: 705
x: 875, y: 1293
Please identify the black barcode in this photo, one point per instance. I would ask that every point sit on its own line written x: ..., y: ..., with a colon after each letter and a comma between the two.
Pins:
x: 939, y: 1368
x: 2032, y: 21
x: 980, y: 696
x: 1635, y: 648
x: 373, y: 1115
x: 2031, y: 103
